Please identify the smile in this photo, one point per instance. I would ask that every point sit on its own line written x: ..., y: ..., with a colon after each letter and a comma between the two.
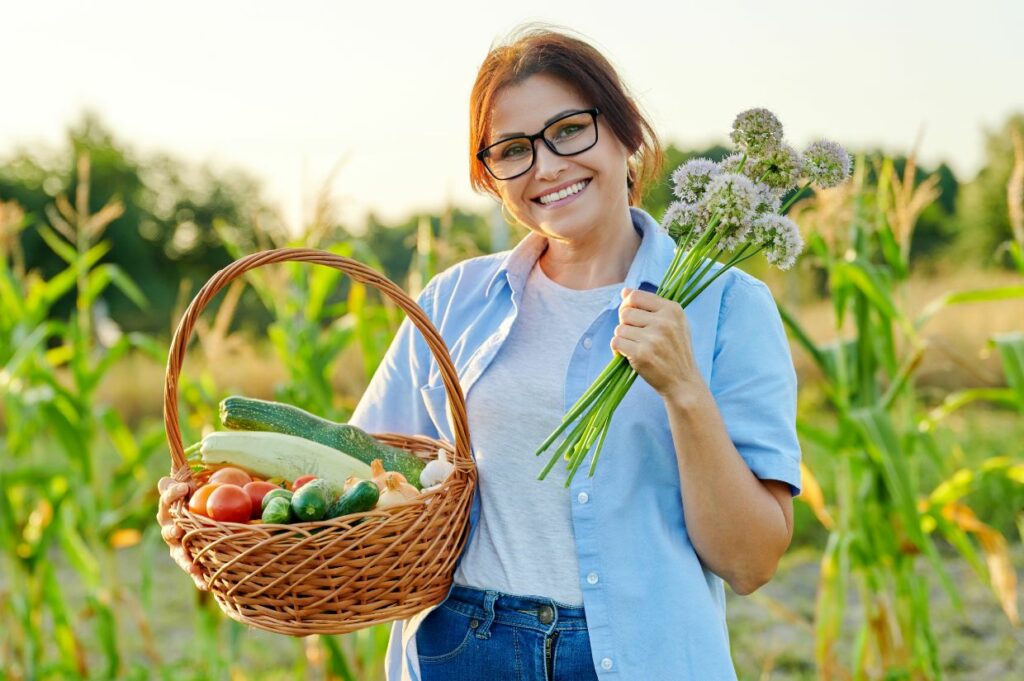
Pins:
x: 561, y: 196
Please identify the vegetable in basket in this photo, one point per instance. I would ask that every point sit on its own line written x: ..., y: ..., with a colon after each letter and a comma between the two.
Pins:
x: 246, y: 413
x: 279, y: 455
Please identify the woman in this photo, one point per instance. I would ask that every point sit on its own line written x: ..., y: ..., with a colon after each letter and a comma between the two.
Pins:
x: 620, y: 575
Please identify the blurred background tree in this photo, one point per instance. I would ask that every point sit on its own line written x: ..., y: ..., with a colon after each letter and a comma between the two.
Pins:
x: 983, y: 216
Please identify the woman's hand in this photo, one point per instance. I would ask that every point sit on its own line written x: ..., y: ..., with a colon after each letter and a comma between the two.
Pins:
x: 170, y: 491
x: 654, y: 336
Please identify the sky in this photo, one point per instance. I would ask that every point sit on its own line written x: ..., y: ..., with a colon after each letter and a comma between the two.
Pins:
x: 372, y: 98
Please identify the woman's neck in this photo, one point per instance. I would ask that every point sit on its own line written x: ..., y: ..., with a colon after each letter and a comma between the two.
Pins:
x: 603, y: 258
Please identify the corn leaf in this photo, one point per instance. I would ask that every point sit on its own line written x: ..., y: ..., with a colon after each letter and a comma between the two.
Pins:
x: 813, y: 497
x: 962, y: 297
x: 881, y: 442
x: 1011, y: 350
x: 1003, y: 577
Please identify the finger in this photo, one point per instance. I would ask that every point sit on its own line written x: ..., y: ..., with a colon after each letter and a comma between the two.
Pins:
x: 164, y: 483
x: 631, y: 333
x: 635, y: 316
x: 642, y: 299
x: 173, y: 492
x: 172, y: 534
x: 625, y: 346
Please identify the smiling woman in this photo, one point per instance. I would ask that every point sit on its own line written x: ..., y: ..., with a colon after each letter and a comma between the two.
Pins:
x: 558, y: 577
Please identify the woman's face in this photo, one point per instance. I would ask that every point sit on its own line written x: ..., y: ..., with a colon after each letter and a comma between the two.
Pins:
x: 525, y: 108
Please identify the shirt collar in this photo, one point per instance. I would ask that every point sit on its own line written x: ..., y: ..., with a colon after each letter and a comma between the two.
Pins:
x: 648, y: 267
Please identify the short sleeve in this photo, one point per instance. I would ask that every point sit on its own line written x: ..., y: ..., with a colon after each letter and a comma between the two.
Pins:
x: 392, y: 402
x: 754, y: 383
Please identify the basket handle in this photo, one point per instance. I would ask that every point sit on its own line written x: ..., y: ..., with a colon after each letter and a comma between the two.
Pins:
x: 354, y: 269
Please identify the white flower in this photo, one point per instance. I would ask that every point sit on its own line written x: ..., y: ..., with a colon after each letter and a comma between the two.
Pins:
x: 734, y: 198
x: 690, y: 180
x: 756, y: 131
x: 780, y: 238
x: 826, y: 163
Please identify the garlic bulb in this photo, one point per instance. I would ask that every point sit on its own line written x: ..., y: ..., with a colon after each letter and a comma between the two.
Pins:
x: 436, y: 471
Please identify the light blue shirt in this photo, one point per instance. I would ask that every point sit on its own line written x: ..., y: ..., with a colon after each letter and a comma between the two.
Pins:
x: 653, y: 610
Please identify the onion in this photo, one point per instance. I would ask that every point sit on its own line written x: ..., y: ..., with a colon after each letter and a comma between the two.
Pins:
x: 396, y: 491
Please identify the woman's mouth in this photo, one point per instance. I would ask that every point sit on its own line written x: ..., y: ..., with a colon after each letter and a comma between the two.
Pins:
x: 564, y: 196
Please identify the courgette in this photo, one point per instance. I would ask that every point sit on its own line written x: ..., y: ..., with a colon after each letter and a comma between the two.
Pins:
x: 271, y: 455
x: 247, y: 413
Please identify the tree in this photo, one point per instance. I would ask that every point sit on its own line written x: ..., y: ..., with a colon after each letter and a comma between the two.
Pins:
x: 166, y: 233
x: 983, y: 211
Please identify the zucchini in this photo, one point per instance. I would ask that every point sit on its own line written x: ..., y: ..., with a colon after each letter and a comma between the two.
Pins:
x: 273, y: 455
x: 362, y: 496
x: 246, y: 413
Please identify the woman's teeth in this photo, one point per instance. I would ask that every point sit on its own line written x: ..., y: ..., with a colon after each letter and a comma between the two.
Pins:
x: 572, y: 189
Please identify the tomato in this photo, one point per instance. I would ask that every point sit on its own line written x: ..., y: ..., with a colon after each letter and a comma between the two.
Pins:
x: 302, y: 480
x: 229, y: 503
x: 256, y: 491
x: 231, y: 476
x: 197, y: 504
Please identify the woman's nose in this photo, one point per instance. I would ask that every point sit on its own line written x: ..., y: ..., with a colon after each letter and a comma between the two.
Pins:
x: 547, y: 164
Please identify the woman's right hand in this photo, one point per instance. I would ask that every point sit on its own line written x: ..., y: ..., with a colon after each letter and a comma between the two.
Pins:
x: 170, y: 491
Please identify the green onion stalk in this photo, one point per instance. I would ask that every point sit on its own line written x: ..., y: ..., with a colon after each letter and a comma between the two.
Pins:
x: 725, y: 212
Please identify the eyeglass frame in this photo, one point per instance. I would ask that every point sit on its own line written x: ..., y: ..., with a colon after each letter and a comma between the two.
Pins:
x: 594, y: 111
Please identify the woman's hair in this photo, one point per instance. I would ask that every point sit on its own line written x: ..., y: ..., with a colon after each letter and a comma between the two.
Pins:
x: 538, y: 49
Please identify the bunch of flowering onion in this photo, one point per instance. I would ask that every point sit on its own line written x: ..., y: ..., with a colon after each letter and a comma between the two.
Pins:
x: 725, y: 213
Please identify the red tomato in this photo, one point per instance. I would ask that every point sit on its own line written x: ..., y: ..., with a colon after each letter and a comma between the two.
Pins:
x: 229, y: 503
x: 302, y: 480
x: 231, y: 476
x: 256, y: 491
x: 197, y: 504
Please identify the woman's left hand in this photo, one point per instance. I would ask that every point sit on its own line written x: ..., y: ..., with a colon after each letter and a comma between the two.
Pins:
x: 654, y: 336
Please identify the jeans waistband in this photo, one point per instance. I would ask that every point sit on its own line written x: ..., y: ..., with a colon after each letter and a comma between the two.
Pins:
x: 536, y: 612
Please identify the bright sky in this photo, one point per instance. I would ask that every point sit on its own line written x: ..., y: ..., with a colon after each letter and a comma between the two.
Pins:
x: 287, y: 91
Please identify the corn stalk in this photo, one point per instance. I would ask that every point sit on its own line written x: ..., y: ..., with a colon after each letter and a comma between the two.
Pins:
x: 881, y: 522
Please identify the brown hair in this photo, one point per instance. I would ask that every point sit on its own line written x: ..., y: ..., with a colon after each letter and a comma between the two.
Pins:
x: 535, y: 48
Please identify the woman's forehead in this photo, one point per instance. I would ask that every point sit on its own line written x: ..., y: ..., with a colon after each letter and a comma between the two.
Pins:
x: 526, y: 107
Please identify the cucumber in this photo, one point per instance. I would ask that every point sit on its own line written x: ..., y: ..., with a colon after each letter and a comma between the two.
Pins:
x: 311, y: 501
x: 246, y: 413
x: 275, y: 493
x: 360, y: 497
x: 278, y: 511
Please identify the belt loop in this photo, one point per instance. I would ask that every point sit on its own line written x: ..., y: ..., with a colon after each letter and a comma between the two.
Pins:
x: 484, y: 630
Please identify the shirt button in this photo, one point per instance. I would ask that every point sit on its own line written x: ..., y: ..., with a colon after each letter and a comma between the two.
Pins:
x: 592, y: 578
x: 587, y: 342
x: 606, y: 663
x: 583, y: 497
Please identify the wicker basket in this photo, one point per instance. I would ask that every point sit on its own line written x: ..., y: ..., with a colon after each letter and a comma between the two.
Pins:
x: 332, y: 576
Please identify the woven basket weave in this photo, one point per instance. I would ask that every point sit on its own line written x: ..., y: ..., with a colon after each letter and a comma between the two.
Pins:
x: 332, y: 576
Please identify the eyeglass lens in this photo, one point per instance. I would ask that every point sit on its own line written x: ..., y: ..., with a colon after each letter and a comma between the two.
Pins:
x: 569, y: 135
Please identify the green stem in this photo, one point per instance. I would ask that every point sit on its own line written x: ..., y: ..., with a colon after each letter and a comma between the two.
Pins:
x: 583, y: 401
x: 792, y: 199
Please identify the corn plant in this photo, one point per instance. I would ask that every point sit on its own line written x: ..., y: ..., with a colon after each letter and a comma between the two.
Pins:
x: 883, y: 518
x: 71, y: 500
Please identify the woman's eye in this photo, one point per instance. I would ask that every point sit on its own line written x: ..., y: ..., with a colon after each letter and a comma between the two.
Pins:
x: 569, y: 130
x: 513, y: 151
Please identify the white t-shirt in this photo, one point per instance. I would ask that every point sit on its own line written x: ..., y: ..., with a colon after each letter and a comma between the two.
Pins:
x: 524, y: 543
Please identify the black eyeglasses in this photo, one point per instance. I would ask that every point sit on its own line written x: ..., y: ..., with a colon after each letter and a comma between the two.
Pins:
x: 568, y: 135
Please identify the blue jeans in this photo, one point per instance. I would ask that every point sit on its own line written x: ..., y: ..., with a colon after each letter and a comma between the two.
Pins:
x: 478, y: 635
